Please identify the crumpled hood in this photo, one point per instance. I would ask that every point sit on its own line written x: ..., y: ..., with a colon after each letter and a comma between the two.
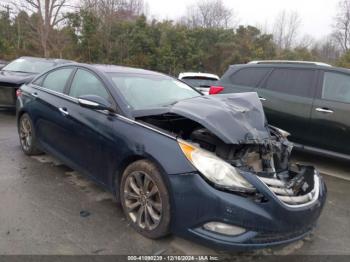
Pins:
x: 234, y: 118
x: 15, y: 78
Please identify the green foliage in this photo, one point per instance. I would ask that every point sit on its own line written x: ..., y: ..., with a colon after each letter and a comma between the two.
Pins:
x: 163, y: 46
x: 344, y: 60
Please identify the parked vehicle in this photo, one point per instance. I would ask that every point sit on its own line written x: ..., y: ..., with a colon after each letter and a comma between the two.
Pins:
x: 310, y: 100
x: 201, y: 81
x: 20, y: 71
x: 207, y: 168
x: 2, y: 63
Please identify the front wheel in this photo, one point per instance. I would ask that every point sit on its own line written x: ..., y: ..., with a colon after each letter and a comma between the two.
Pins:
x: 145, y: 199
x: 27, y: 136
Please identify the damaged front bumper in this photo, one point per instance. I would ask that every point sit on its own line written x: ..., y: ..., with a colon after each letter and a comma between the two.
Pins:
x: 278, y: 219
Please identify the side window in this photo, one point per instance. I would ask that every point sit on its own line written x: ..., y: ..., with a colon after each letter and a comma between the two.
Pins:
x: 249, y: 77
x: 39, y: 81
x: 56, y: 80
x: 85, y: 83
x: 336, y: 87
x: 297, y: 82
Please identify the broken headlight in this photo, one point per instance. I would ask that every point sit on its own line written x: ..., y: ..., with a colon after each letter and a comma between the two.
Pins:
x: 216, y: 170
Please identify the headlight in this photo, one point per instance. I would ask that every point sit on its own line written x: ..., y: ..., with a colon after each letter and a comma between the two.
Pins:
x: 216, y: 170
x: 283, y: 133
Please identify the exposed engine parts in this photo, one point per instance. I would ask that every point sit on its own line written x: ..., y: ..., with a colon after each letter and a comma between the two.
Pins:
x: 268, y: 158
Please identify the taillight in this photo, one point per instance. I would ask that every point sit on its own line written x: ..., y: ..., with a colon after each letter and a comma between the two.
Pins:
x: 18, y: 92
x: 215, y: 90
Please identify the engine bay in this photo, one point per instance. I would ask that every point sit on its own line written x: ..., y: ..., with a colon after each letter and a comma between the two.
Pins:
x: 269, y: 159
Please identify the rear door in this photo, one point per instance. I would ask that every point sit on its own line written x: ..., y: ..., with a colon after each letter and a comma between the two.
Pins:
x: 330, y: 119
x: 243, y: 79
x: 49, y: 105
x: 287, y: 96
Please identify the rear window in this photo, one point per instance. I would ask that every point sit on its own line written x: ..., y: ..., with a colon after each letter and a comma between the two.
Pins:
x: 200, y: 81
x: 249, y: 76
x: 336, y: 87
x: 297, y: 82
x: 29, y: 65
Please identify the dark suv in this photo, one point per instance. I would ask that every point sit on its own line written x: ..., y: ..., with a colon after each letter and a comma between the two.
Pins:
x: 310, y: 100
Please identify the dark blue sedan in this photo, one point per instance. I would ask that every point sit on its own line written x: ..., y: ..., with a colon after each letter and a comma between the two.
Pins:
x: 208, y: 168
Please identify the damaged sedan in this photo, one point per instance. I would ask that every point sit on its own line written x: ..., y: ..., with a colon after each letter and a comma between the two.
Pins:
x: 206, y: 168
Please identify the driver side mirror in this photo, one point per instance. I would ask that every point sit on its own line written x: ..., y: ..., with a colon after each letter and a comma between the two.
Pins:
x: 95, y: 102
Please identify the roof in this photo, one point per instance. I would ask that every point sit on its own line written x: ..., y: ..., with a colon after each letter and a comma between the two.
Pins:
x: 289, y: 62
x: 122, y: 69
x: 194, y: 74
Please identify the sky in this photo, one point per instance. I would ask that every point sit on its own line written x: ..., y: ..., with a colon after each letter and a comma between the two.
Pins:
x: 316, y: 15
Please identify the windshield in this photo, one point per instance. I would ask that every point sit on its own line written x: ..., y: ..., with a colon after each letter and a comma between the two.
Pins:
x: 146, y: 91
x: 199, y: 81
x: 29, y: 65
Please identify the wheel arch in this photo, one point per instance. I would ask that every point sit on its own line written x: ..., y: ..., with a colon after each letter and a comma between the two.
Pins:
x: 128, y: 161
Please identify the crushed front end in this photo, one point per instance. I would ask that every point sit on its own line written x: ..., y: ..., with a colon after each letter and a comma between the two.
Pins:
x: 284, y: 205
x: 264, y: 200
x: 269, y: 161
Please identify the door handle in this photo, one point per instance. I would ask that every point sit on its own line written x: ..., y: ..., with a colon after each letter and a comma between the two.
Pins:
x: 262, y: 99
x: 64, y: 111
x: 324, y: 110
x: 35, y: 94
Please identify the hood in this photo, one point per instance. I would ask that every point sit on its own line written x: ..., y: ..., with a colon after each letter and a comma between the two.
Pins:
x: 15, y: 78
x: 234, y: 118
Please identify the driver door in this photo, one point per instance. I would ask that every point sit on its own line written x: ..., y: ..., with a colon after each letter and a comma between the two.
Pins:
x: 91, y: 129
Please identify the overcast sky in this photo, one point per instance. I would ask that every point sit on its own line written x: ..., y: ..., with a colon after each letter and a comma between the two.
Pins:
x: 317, y: 15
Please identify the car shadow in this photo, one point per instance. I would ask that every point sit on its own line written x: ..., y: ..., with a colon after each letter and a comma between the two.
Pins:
x: 9, y: 112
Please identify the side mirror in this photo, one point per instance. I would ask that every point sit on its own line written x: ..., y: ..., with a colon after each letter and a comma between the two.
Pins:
x: 95, y: 102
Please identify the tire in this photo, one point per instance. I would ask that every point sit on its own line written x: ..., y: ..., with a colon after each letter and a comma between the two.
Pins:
x: 145, y: 199
x: 27, y: 136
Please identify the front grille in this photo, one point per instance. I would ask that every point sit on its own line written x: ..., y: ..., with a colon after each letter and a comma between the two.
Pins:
x: 285, y: 193
x: 264, y: 238
x: 7, y: 96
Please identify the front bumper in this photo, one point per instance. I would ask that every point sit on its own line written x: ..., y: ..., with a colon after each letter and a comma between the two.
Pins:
x: 269, y: 223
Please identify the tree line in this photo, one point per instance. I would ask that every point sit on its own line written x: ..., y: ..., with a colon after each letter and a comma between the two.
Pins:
x: 207, y: 38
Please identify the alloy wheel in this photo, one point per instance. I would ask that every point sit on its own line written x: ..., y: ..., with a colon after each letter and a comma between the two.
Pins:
x: 25, y: 133
x: 142, y: 200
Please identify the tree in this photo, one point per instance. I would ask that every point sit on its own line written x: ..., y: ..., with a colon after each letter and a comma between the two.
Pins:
x: 326, y: 50
x: 6, y: 35
x: 209, y: 14
x: 49, y: 14
x: 342, y: 25
x: 108, y: 20
x: 285, y: 29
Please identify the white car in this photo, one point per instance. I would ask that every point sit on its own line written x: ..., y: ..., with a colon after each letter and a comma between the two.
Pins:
x: 201, y: 81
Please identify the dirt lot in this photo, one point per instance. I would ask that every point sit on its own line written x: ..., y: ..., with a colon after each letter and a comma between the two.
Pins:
x: 46, y: 208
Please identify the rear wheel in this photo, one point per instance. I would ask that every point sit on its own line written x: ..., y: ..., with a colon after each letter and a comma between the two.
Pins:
x: 27, y: 135
x: 145, y: 199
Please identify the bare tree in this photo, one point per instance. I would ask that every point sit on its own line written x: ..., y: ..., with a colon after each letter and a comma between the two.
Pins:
x: 285, y: 29
x: 342, y: 25
x: 209, y: 14
x: 49, y: 14
x: 307, y: 41
x: 327, y: 50
x: 125, y: 9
